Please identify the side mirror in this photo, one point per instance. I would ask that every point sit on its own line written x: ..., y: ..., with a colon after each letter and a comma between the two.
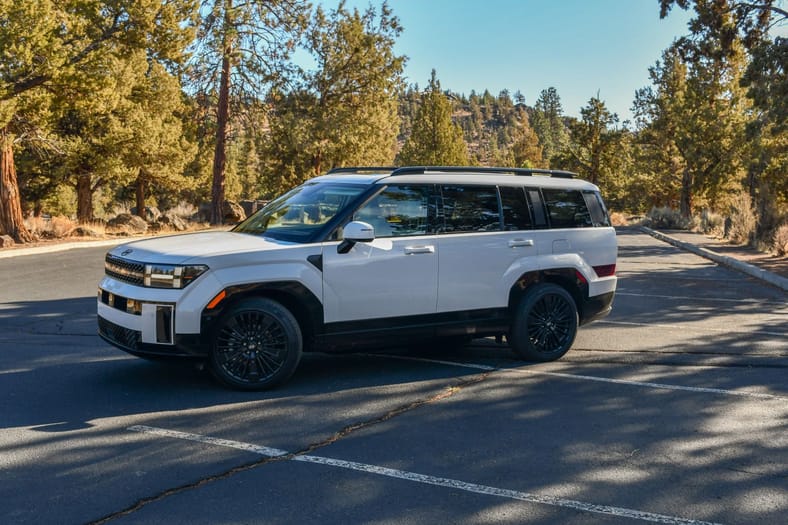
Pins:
x: 353, y: 232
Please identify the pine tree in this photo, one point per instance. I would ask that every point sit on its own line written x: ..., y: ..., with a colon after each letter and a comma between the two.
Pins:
x: 240, y: 51
x: 526, y: 150
x: 594, y: 145
x: 345, y: 111
x: 435, y: 139
x: 658, y: 118
x: 65, y: 48
x: 721, y: 32
x: 548, y: 124
x: 699, y: 111
x: 154, y: 149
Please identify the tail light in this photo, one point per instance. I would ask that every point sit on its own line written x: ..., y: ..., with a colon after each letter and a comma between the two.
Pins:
x: 605, y: 270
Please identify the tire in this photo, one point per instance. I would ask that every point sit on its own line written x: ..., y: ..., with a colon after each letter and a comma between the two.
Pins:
x: 256, y: 345
x: 545, y: 323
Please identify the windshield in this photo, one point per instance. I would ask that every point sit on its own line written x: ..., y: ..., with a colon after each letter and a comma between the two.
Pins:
x: 301, y: 212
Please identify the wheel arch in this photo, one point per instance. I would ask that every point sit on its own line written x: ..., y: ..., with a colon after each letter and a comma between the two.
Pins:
x: 297, y: 298
x: 566, y: 278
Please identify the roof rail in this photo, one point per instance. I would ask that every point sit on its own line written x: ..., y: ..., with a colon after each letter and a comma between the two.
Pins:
x: 419, y: 170
x: 361, y: 169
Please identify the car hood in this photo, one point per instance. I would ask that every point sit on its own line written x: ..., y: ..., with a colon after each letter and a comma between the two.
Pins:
x: 194, y: 247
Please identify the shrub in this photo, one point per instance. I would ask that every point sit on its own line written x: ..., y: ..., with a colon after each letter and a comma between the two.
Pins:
x: 743, y: 220
x: 61, y: 226
x: 711, y: 223
x: 184, y: 210
x: 50, y: 228
x: 780, y: 243
x: 618, y: 219
x: 120, y: 208
x: 37, y: 225
x: 667, y: 218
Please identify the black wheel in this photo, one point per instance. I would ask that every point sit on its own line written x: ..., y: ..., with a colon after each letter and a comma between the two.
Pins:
x: 545, y: 323
x: 256, y: 345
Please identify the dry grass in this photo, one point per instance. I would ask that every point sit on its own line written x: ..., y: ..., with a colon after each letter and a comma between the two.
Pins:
x: 61, y: 227
x: 667, y: 218
x: 184, y: 210
x: 711, y: 223
x: 744, y: 220
x: 50, y: 227
x: 618, y: 219
x: 780, y: 244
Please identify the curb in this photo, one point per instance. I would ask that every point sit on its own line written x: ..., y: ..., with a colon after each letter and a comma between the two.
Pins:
x: 730, y: 262
x: 18, y: 252
x: 61, y: 247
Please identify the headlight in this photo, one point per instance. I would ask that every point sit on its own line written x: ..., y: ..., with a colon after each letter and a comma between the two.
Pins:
x: 170, y: 275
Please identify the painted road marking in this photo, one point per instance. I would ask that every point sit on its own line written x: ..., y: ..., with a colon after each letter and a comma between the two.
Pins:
x: 662, y: 386
x: 686, y: 328
x: 700, y: 298
x: 424, y: 478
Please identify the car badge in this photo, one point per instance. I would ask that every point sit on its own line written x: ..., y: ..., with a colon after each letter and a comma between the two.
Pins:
x: 126, y: 252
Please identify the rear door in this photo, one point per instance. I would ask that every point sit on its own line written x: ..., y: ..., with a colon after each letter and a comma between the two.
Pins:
x: 484, y: 231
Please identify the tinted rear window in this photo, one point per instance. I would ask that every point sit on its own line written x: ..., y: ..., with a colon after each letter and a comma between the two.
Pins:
x: 597, y: 209
x: 566, y: 208
x: 470, y: 209
x: 516, y: 214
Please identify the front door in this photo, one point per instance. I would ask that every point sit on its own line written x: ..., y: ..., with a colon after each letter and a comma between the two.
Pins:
x: 395, y: 275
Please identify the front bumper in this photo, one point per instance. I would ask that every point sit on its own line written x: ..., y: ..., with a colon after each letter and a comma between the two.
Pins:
x: 145, y: 328
x: 129, y: 340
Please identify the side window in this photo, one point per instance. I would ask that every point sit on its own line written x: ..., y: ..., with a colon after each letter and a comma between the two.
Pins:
x: 470, y: 209
x: 397, y: 211
x: 567, y: 208
x: 597, y: 208
x: 516, y: 214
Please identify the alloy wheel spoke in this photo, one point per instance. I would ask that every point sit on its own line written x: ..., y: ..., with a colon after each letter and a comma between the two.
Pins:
x: 253, y: 346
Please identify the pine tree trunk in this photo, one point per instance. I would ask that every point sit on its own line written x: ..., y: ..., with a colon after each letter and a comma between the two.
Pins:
x: 140, y: 195
x: 317, y: 163
x: 11, y: 219
x: 685, y: 203
x: 84, y: 198
x: 222, y: 117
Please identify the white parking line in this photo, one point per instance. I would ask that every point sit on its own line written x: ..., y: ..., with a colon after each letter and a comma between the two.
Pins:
x: 701, y: 298
x: 646, y: 384
x: 686, y: 328
x: 425, y: 479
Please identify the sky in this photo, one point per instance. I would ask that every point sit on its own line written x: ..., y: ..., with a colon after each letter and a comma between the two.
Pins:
x: 583, y: 48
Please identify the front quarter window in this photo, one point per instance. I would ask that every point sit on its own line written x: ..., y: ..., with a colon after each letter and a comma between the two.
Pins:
x: 303, y: 211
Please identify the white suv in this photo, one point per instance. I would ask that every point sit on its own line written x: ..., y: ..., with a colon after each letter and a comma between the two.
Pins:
x: 368, y: 257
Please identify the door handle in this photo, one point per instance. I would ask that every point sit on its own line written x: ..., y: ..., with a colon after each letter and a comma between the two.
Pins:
x: 514, y: 243
x: 412, y: 250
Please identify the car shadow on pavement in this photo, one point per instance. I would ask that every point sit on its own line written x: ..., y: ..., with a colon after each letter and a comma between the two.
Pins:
x: 57, y: 373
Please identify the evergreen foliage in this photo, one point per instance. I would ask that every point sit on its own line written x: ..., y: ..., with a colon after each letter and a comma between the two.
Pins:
x: 594, y: 148
x: 434, y: 140
x: 153, y: 102
x: 70, y: 49
x: 241, y: 49
x: 344, y: 112
x: 549, y: 125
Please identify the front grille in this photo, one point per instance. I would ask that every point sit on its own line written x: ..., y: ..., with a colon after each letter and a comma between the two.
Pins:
x: 123, y: 270
x: 123, y: 337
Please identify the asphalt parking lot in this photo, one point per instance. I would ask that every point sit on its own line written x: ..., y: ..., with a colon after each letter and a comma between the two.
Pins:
x: 672, y: 410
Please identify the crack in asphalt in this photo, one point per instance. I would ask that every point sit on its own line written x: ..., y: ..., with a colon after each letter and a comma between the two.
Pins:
x: 444, y: 393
